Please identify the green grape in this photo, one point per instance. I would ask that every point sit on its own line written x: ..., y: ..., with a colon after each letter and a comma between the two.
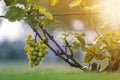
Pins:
x: 28, y: 42
x: 29, y: 36
x: 37, y: 48
x: 25, y: 48
x: 35, y: 51
x: 31, y: 49
x: 39, y: 59
x: 45, y: 51
x: 29, y: 57
x: 30, y: 63
x: 39, y: 54
x: 34, y: 57
x: 36, y: 63
x: 28, y: 52
x: 41, y: 42
x: 41, y: 50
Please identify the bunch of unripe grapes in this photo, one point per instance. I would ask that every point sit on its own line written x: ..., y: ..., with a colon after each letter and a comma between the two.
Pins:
x: 35, y: 51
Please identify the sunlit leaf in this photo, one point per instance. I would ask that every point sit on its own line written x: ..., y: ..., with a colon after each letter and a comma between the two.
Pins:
x: 52, y: 3
x: 86, y: 8
x: 74, y: 50
x: 10, y: 2
x: 105, y: 24
x: 90, y: 53
x: 76, y: 44
x: 15, y: 14
x: 48, y: 15
x: 94, y: 6
x: 41, y: 9
x: 75, y: 3
x: 83, y: 34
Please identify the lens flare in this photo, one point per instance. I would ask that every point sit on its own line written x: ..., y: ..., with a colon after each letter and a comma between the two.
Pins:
x: 110, y: 10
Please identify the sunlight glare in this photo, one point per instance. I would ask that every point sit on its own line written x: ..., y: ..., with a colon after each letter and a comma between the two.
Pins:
x: 110, y: 10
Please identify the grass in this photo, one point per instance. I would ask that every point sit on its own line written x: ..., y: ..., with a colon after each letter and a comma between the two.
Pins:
x: 50, y: 72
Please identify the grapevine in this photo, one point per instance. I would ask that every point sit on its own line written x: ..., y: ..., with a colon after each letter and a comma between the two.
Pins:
x: 106, y: 44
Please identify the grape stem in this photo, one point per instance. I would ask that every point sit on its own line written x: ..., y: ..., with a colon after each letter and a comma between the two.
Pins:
x: 67, y: 44
x: 63, y: 52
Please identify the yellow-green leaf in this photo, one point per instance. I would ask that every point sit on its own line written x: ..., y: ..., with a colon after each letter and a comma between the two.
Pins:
x: 94, y: 6
x: 48, y: 15
x: 52, y: 3
x: 86, y: 8
x: 75, y: 3
x: 91, y: 51
x: 74, y: 50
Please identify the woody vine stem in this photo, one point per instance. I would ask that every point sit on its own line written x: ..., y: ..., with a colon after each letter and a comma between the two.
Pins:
x: 61, y: 53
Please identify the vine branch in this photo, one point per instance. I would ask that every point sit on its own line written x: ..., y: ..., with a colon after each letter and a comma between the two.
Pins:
x: 74, y: 63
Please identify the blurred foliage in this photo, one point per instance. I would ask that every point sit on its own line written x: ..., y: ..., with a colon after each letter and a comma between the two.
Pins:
x: 63, y: 7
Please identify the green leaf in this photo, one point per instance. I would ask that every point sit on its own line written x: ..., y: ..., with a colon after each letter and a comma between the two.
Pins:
x: 15, y: 14
x: 24, y: 2
x: 74, y: 50
x: 52, y: 3
x: 93, y: 49
x: 32, y: 20
x: 10, y: 2
x: 81, y: 40
x: 48, y: 15
x: 90, y: 53
x: 41, y: 9
x: 83, y: 34
x: 76, y: 44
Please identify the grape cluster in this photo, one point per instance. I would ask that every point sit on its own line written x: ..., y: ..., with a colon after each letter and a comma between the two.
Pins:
x: 35, y: 51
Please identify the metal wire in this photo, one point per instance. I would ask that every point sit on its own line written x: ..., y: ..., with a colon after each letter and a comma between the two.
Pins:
x: 66, y: 14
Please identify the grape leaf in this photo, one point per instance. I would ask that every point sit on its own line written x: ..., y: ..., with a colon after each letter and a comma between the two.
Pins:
x: 24, y: 2
x: 52, y: 3
x: 15, y: 14
x: 90, y: 53
x: 10, y: 2
x: 75, y: 3
x: 48, y: 15
x: 74, y: 50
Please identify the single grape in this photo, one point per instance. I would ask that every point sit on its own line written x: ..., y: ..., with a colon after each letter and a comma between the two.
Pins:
x: 40, y: 54
x: 36, y: 63
x: 29, y: 36
x: 30, y: 63
x: 36, y: 48
x: 31, y: 49
x: 34, y: 57
x: 29, y: 57
x: 34, y: 53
